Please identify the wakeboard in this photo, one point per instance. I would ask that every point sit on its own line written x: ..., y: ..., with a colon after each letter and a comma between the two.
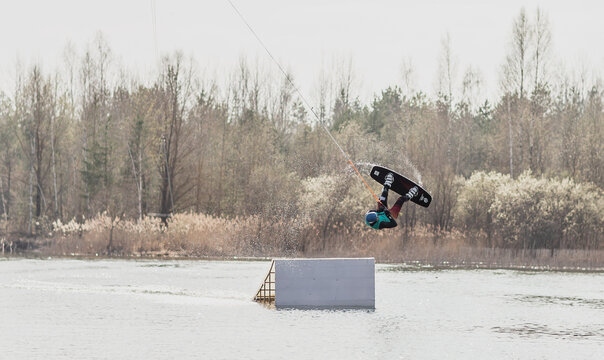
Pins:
x: 401, y: 185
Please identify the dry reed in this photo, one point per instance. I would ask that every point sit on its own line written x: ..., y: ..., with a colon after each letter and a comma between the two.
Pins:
x: 198, y: 235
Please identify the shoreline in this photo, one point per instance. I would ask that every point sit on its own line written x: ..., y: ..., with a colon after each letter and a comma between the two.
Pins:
x: 395, y: 265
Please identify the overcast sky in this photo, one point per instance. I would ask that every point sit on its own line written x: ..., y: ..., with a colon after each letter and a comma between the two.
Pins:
x: 305, y: 36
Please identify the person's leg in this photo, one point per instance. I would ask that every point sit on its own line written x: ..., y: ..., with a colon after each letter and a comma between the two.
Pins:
x: 396, y: 208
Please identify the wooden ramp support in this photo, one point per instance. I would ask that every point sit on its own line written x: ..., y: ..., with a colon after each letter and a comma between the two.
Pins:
x: 266, y: 293
x: 319, y: 283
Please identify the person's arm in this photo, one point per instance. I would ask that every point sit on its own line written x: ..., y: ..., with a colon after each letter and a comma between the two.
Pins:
x: 383, y: 203
x: 388, y: 224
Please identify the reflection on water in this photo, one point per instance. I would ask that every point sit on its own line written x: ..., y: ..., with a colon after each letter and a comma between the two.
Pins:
x: 561, y: 300
x: 176, y: 265
x: 537, y: 330
x: 112, y: 309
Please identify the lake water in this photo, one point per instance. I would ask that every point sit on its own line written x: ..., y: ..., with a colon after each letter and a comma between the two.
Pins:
x: 125, y: 309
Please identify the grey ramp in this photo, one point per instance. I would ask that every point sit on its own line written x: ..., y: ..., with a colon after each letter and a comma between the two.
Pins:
x: 342, y: 282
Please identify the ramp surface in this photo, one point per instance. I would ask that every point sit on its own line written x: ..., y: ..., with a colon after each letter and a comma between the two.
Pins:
x: 318, y: 283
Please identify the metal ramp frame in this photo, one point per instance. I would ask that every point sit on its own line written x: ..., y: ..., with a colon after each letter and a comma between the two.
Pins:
x: 266, y: 292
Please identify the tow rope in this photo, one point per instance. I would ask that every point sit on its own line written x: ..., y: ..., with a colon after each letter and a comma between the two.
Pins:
x: 303, y: 99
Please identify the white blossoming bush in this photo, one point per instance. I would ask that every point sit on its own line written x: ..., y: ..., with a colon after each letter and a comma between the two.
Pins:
x: 477, y: 195
x: 585, y: 220
x: 334, y: 199
x: 532, y: 212
x: 318, y: 193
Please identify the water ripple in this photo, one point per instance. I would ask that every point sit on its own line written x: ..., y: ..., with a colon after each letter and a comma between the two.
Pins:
x: 539, y: 330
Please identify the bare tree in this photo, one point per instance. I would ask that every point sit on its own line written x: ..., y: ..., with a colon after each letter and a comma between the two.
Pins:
x: 408, y: 76
x: 517, y: 61
x: 174, y: 91
x: 541, y: 47
x: 281, y: 114
x: 534, y: 126
x: 447, y: 68
x: 35, y: 122
x: 471, y: 86
x: 7, y: 144
x: 593, y: 123
x: 97, y: 125
x: 323, y: 97
x: 344, y: 100
x: 515, y: 72
x: 53, y: 116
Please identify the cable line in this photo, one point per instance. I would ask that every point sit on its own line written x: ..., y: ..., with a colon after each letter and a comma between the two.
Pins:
x: 303, y: 98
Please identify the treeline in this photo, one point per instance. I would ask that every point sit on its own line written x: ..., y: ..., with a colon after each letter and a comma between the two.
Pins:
x: 91, y: 139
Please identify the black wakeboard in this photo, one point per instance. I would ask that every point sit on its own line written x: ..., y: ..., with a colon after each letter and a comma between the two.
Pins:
x: 401, y: 185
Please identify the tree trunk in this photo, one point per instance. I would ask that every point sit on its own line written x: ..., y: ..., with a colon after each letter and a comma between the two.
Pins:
x: 511, y: 140
x: 4, y: 209
x: 31, y: 189
x: 86, y: 189
x: 110, y: 244
x: 54, y: 171
x: 140, y: 183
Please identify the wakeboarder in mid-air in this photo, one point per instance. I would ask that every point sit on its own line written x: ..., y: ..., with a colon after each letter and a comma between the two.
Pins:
x: 382, y: 217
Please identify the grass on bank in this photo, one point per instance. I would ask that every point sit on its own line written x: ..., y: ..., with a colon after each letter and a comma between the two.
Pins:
x: 202, y: 236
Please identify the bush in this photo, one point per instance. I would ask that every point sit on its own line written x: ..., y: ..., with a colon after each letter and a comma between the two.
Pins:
x: 477, y: 195
x: 531, y: 212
